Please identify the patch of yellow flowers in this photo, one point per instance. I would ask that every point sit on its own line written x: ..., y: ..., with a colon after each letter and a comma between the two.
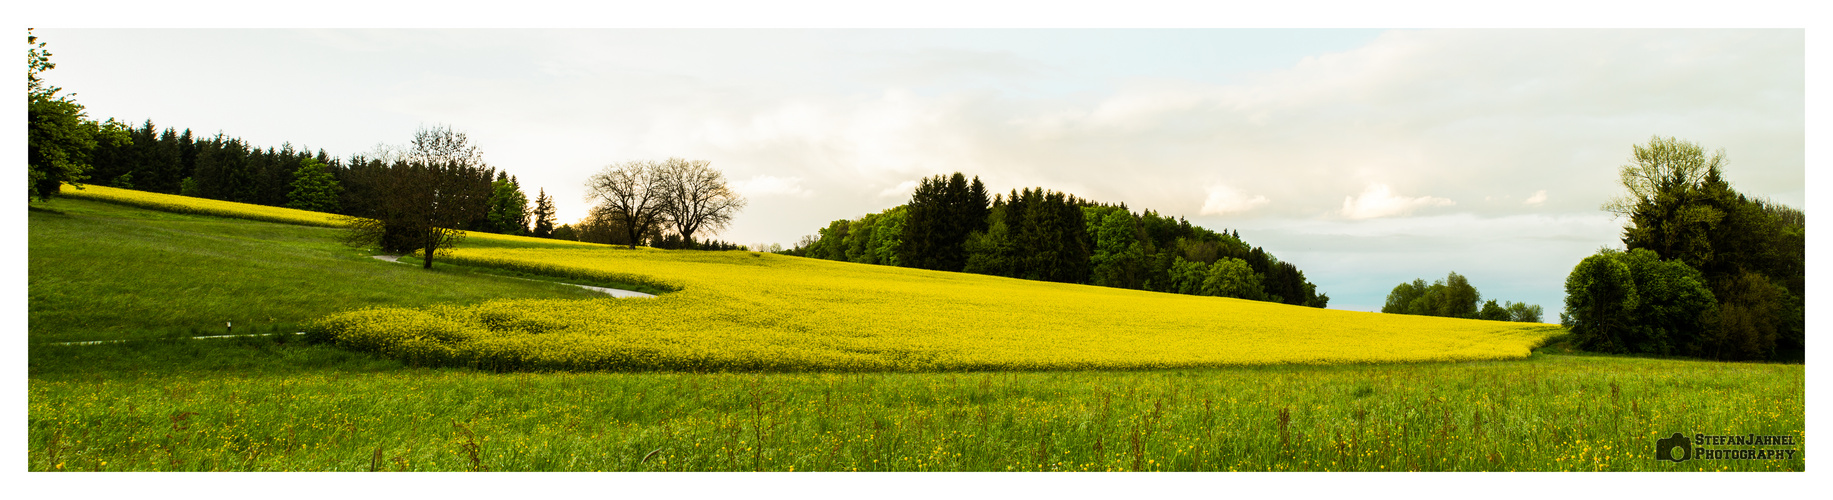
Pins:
x: 190, y: 205
x: 748, y: 311
x: 283, y: 215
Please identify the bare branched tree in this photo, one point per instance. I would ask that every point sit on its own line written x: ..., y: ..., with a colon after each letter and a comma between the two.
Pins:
x: 601, y: 226
x: 696, y: 197
x: 632, y: 194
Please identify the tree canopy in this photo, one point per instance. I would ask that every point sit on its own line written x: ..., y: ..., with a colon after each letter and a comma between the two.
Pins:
x: 60, y: 137
x: 1712, y: 272
x: 1039, y: 234
x: 314, y: 188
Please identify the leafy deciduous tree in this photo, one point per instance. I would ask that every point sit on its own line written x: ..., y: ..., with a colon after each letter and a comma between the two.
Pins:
x: 1231, y: 277
x: 1601, y: 302
x: 59, y: 133
x: 508, y: 207
x: 314, y: 188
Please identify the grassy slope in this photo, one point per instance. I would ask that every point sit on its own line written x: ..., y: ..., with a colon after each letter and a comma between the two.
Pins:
x: 102, y: 271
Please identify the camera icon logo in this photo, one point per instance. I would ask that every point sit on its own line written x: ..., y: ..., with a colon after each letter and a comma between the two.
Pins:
x: 1664, y: 448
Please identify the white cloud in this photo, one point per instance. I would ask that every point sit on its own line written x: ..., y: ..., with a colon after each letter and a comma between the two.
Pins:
x: 1460, y: 114
x: 1227, y: 200
x: 899, y: 191
x: 1380, y: 201
x: 764, y: 185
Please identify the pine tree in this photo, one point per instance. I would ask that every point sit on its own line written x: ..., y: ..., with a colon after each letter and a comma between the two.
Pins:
x: 544, y: 215
x: 164, y: 163
x: 923, y: 227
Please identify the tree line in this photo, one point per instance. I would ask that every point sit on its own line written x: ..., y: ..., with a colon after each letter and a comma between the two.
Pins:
x: 951, y: 224
x: 1455, y: 297
x: 230, y: 169
x: 1705, y: 271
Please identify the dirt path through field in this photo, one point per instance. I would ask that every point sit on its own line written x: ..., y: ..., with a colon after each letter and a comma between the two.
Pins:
x: 614, y: 292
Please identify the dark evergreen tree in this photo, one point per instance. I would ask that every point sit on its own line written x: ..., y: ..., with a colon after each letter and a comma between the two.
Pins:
x: 162, y: 162
x: 544, y: 215
x: 974, y: 207
x: 187, y: 156
x: 925, y: 231
x: 222, y: 170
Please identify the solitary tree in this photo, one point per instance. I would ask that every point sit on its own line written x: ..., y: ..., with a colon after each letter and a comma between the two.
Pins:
x: 696, y: 197
x: 632, y: 194
x: 420, y: 201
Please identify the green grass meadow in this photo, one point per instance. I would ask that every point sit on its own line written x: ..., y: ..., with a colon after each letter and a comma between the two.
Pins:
x: 252, y: 404
x: 99, y: 271
x: 156, y: 402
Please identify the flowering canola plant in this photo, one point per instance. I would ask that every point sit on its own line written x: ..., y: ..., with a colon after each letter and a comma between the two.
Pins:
x: 205, y: 206
x: 748, y: 311
x: 283, y: 215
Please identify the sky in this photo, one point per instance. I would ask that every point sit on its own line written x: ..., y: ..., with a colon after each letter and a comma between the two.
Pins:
x: 1365, y: 157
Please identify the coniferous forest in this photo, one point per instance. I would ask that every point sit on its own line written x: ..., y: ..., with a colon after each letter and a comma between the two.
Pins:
x: 951, y: 224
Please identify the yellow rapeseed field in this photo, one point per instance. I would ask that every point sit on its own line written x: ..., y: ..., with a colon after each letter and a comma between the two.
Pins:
x: 206, y: 206
x: 748, y: 311
x: 187, y: 204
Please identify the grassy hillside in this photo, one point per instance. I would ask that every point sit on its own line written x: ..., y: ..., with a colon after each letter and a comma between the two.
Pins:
x: 103, y: 271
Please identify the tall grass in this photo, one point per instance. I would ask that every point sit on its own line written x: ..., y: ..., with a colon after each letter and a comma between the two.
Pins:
x: 1557, y: 413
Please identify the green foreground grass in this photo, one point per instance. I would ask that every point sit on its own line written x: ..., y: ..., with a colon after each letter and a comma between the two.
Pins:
x: 256, y: 405
x: 100, y: 271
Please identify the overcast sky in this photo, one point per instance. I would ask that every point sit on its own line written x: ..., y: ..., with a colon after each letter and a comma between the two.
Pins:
x: 1365, y: 157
